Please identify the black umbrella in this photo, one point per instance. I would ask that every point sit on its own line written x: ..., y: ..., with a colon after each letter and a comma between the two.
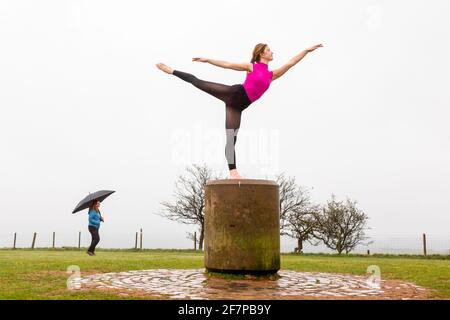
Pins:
x: 87, y: 201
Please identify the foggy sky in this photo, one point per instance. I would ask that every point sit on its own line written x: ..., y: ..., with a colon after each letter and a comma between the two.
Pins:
x: 84, y: 108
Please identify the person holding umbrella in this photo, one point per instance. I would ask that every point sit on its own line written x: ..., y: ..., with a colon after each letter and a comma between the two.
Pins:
x: 92, y: 201
x: 95, y: 218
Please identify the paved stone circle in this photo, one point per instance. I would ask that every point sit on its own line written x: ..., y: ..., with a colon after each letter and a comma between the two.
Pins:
x: 196, y: 284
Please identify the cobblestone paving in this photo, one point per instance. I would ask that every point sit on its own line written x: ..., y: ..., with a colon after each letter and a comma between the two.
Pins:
x: 195, y: 284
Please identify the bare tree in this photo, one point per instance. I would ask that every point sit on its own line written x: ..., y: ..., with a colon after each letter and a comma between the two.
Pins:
x: 297, y: 214
x: 292, y: 198
x: 341, y: 225
x: 189, y: 194
x: 301, y: 224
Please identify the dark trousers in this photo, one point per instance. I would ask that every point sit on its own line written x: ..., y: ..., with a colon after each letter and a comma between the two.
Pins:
x: 95, y: 238
x: 236, y: 101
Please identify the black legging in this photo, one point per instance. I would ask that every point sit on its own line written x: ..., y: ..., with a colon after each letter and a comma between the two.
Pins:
x: 236, y: 101
x: 95, y: 238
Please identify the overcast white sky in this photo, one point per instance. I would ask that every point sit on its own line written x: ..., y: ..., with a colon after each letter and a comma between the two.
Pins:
x: 84, y: 108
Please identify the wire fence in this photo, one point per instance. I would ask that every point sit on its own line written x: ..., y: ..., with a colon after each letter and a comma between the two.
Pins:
x: 419, y: 244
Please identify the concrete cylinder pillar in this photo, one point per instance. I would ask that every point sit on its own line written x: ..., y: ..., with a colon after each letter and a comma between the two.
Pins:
x: 242, y: 226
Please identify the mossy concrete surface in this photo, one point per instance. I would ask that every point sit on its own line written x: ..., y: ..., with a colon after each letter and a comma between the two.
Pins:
x: 242, y: 231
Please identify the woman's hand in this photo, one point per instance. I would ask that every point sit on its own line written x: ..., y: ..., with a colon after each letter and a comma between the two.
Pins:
x: 314, y: 48
x: 200, y: 59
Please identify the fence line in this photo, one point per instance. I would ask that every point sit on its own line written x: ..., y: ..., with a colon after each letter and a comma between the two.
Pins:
x: 418, y: 245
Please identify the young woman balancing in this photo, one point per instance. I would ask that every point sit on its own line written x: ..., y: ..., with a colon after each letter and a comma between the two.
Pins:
x: 239, y: 96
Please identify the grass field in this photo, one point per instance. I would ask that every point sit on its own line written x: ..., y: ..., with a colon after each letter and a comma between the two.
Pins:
x: 41, y: 274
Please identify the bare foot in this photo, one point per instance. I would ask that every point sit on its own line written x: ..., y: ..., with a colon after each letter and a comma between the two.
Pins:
x: 164, y: 68
x: 235, y: 175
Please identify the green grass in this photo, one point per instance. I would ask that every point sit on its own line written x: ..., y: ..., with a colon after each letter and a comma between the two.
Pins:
x: 41, y: 274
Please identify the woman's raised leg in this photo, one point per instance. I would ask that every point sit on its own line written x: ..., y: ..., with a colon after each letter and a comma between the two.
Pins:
x: 218, y: 90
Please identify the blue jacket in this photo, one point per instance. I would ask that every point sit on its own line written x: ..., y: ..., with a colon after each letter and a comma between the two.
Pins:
x: 94, y: 218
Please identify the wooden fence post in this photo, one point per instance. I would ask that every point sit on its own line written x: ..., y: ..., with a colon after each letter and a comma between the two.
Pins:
x: 136, y: 241
x: 15, y: 238
x: 424, y: 238
x: 195, y: 240
x: 79, y: 239
x: 34, y: 241
x: 141, y: 241
x: 53, y: 246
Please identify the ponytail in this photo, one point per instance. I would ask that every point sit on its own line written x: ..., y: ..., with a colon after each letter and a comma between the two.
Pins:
x: 257, y: 51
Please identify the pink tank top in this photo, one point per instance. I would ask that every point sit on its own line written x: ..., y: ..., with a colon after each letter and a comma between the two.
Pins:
x: 258, y: 81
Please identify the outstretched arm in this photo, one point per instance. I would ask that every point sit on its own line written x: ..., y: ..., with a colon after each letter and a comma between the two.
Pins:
x: 283, y: 69
x: 244, y: 66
